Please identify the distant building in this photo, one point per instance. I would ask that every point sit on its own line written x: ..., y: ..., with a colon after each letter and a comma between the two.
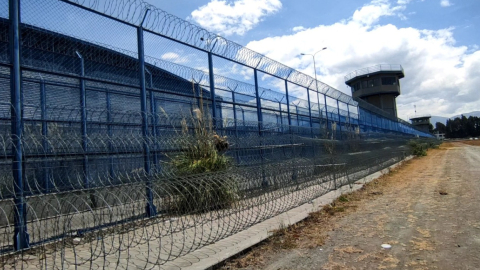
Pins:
x: 378, y: 85
x: 421, y: 122
x: 440, y: 136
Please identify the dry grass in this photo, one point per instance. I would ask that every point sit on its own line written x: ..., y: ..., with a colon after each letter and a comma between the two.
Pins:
x: 455, y: 144
x: 447, y: 145
x: 313, y: 231
x: 473, y: 142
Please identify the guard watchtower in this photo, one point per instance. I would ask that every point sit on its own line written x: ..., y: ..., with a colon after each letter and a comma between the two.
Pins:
x: 378, y: 85
x: 421, y: 122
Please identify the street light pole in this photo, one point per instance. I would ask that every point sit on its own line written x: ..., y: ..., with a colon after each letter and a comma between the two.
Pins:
x: 316, y: 81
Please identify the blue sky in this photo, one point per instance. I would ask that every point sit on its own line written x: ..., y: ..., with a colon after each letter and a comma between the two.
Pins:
x: 436, y: 41
x: 463, y: 15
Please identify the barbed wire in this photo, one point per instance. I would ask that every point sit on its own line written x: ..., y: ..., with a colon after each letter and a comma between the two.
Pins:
x: 99, y: 60
x: 103, y: 224
x: 164, y: 24
x: 102, y: 61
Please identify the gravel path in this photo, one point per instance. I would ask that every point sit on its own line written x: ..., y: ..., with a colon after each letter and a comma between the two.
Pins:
x: 427, y: 230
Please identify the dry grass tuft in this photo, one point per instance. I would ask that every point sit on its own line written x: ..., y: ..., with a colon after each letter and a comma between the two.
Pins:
x: 348, y: 250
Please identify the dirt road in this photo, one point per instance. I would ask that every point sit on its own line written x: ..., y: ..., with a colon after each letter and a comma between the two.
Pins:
x: 429, y: 212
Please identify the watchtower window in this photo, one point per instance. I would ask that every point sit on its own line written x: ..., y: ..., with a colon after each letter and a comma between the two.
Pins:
x: 389, y: 81
x: 356, y: 87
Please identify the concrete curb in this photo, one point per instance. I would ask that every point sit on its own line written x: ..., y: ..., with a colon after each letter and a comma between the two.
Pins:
x: 219, y: 251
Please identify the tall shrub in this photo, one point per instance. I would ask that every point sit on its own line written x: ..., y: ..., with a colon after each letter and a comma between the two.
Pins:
x: 203, y: 162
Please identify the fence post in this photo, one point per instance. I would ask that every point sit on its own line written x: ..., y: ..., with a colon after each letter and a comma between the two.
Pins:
x: 289, y: 117
x: 83, y: 115
x: 319, y: 113
x: 43, y: 105
x: 21, y: 238
x: 235, y: 125
x: 153, y: 111
x: 298, y: 116
x: 281, y: 116
x: 234, y: 114
x: 326, y: 110
x: 220, y: 122
x: 212, y: 90
x: 109, y: 132
x: 260, y: 126
x: 310, y: 112
x: 150, y: 208
x: 339, y: 119
x: 259, y: 104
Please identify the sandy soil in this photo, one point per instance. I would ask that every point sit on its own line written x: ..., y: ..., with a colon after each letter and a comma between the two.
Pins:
x: 428, y: 211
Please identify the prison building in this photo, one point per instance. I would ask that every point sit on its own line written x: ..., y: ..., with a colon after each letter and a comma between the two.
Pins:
x: 378, y: 85
x: 57, y: 54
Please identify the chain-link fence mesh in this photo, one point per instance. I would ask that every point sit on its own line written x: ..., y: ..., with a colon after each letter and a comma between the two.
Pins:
x: 92, y: 214
x: 130, y: 138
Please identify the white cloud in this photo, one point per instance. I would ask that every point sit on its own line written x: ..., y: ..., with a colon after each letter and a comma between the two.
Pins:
x: 445, y: 3
x: 371, y: 13
x: 440, y: 77
x: 174, y: 57
x: 170, y: 56
x: 298, y: 28
x: 237, y: 17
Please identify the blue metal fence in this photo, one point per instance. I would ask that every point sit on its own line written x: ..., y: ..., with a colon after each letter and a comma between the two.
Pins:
x: 56, y: 84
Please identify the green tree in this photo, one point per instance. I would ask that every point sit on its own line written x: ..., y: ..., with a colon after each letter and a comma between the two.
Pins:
x: 462, y: 127
x: 440, y: 127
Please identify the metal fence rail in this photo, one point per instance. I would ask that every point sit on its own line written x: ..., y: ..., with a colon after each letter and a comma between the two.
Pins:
x: 101, y: 104
x: 372, y: 69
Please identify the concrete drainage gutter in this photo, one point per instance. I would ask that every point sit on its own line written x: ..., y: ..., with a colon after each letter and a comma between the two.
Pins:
x: 219, y: 251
